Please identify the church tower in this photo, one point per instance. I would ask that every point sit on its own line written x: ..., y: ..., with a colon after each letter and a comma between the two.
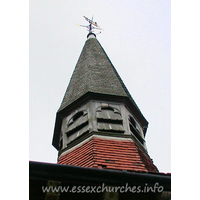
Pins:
x: 98, y: 124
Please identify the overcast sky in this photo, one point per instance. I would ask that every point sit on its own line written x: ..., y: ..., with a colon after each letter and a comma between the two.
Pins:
x: 136, y: 38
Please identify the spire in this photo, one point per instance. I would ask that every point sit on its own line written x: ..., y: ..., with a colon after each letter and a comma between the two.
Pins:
x: 94, y: 73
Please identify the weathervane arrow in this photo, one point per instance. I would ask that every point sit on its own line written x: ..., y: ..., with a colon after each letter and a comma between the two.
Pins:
x: 92, y: 25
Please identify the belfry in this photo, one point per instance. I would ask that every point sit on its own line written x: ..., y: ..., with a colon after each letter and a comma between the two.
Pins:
x: 98, y: 124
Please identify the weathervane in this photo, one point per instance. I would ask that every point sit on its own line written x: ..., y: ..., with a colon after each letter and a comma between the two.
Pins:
x: 92, y: 25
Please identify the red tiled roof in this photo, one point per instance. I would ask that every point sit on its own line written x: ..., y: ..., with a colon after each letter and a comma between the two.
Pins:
x: 109, y: 154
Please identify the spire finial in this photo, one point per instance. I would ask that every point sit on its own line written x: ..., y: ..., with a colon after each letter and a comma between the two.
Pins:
x: 92, y: 25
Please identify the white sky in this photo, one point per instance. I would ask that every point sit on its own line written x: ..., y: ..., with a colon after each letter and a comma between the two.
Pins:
x: 136, y: 38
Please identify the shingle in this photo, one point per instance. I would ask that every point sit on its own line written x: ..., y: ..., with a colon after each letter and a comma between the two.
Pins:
x: 94, y: 72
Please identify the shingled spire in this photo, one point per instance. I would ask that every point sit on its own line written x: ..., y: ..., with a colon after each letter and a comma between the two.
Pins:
x: 98, y: 118
x: 95, y: 73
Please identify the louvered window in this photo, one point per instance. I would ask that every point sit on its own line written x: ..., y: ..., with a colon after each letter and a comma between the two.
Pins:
x: 61, y: 143
x: 109, y: 119
x: 134, y: 129
x: 77, y: 125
